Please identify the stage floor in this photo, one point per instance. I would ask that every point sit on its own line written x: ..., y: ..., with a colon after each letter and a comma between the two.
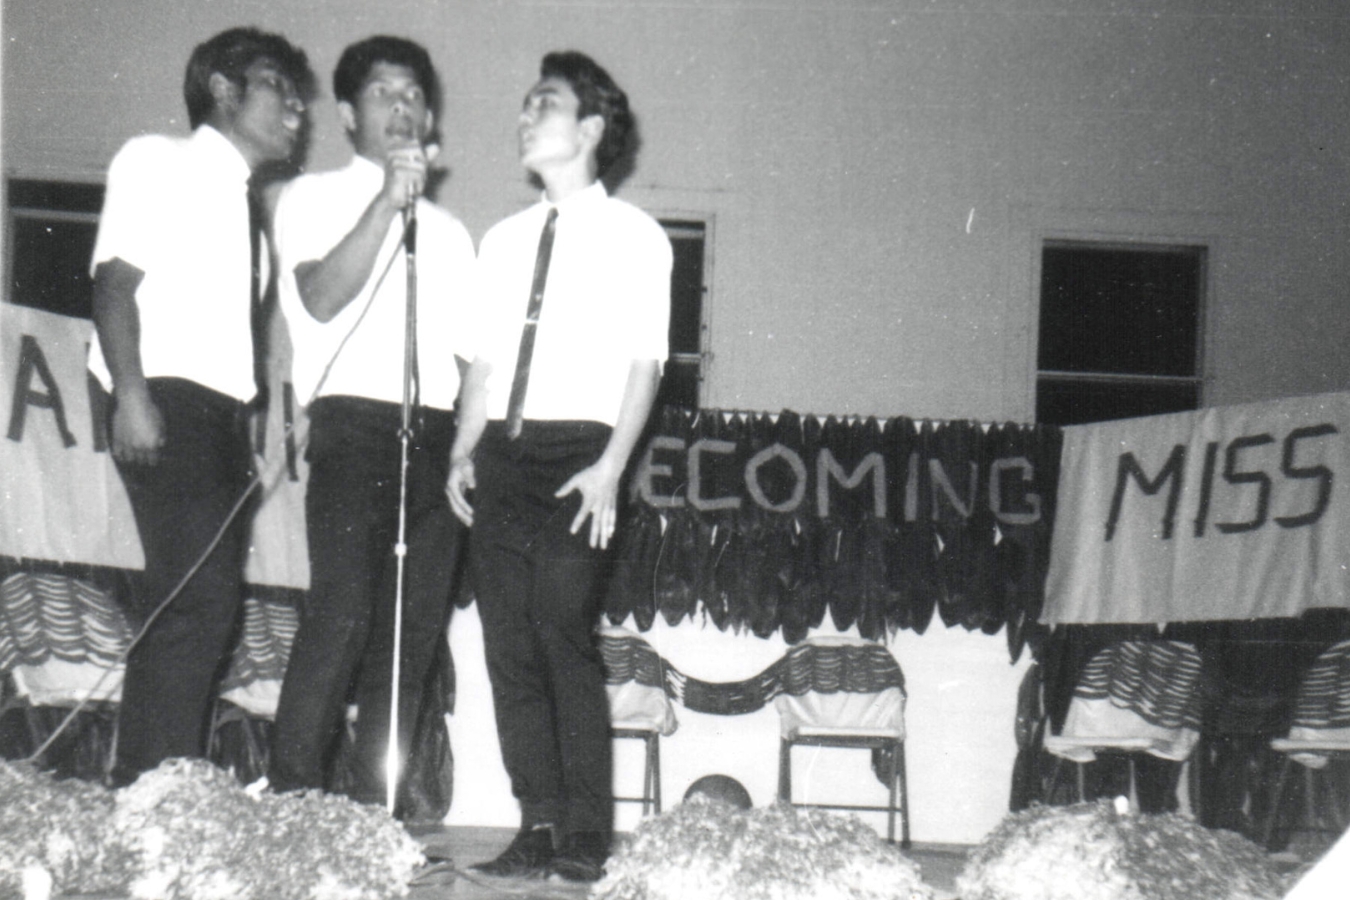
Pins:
x: 465, y: 846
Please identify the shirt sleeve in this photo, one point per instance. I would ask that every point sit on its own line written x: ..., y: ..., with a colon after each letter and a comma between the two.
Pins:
x: 476, y: 313
x: 648, y: 300
x: 308, y: 223
x: 284, y: 233
x: 304, y: 229
x: 135, y: 212
x: 463, y: 293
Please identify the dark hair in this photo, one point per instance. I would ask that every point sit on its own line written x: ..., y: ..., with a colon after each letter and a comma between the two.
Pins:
x: 357, y: 60
x: 230, y: 53
x: 598, y: 95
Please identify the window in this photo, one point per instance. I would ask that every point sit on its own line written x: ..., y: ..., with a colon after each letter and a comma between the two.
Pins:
x: 52, y: 230
x: 1119, y: 331
x: 682, y: 382
x: 53, y: 226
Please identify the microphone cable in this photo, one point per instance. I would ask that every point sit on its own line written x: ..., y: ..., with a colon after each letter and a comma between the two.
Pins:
x: 409, y: 229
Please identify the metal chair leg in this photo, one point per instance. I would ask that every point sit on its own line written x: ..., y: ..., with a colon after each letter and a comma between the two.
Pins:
x: 1053, y: 784
x: 656, y: 773
x: 892, y: 773
x: 651, y: 784
x: 1133, y: 785
x: 1272, y: 821
x: 1312, y: 820
x: 904, y: 795
x: 893, y: 782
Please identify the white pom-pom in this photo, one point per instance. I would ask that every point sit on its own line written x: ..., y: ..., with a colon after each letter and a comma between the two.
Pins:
x: 37, y: 883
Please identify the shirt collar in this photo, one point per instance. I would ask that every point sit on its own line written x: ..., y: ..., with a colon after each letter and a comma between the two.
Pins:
x: 217, y: 150
x: 367, y: 170
x: 583, y: 199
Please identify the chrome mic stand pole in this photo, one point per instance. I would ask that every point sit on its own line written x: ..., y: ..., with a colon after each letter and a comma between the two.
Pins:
x: 392, y: 762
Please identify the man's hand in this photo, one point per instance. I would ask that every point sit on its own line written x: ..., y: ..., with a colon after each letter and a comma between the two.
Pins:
x: 137, y: 429
x: 405, y: 175
x: 599, y: 484
x: 461, y: 481
x: 327, y: 286
x: 599, y: 489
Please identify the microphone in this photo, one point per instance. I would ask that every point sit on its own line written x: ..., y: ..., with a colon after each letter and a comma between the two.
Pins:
x: 410, y: 227
x: 431, y: 151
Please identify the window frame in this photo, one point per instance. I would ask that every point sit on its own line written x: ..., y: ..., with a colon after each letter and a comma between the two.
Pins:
x: 1199, y: 249
x: 34, y: 200
x: 697, y: 224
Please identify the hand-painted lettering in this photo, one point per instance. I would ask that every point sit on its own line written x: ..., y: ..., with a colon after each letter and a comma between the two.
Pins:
x: 794, y: 462
x: 828, y: 467
x: 98, y: 411
x: 939, y: 481
x: 1128, y: 468
x: 1206, y: 487
x: 649, y: 470
x: 1324, y: 476
x: 1031, y: 513
x: 696, y: 499
x: 32, y: 362
x: 1233, y: 475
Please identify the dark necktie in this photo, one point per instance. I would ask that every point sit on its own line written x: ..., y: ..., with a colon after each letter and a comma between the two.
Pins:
x: 257, y: 319
x: 515, y: 406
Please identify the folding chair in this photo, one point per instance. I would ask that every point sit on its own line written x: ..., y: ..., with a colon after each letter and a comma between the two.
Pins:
x: 238, y: 737
x: 863, y: 712
x: 59, y: 641
x: 638, y: 705
x: 1319, y: 736
x: 1133, y: 697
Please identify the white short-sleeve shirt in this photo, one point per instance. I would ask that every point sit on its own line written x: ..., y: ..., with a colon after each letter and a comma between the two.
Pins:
x: 177, y: 210
x: 317, y: 211
x: 606, y: 304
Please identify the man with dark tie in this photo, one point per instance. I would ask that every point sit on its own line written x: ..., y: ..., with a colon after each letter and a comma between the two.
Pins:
x: 178, y: 272
x: 573, y: 306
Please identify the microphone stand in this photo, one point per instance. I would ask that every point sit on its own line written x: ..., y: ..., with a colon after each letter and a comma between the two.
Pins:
x: 391, y: 767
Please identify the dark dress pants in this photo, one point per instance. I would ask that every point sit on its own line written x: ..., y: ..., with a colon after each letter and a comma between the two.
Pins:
x: 537, y: 588
x: 180, y: 504
x: 346, y: 628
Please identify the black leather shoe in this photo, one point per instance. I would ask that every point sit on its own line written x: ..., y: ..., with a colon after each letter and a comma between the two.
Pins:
x: 582, y: 858
x: 528, y: 855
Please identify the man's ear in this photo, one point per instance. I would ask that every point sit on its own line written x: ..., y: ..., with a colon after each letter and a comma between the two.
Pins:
x: 430, y: 123
x: 346, y: 115
x: 593, y: 129
x: 224, y: 92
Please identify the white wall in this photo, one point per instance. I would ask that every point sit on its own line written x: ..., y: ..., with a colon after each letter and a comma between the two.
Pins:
x: 879, y: 178
x: 841, y: 149
x: 959, y: 720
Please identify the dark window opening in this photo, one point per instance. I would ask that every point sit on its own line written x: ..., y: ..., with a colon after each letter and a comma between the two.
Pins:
x: 681, y: 385
x: 1120, y: 330
x: 51, y: 235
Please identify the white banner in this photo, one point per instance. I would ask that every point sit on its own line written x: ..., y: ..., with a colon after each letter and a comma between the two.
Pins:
x: 62, y: 498
x: 1234, y: 512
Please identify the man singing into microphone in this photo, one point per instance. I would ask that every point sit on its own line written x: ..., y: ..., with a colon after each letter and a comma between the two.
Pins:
x: 344, y: 281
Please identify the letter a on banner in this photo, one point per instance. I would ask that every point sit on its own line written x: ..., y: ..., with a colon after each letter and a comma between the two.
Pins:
x: 33, y: 364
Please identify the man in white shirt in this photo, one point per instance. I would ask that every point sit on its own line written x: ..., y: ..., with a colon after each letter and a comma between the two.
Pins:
x: 176, y: 283
x: 573, y: 317
x: 343, y: 289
